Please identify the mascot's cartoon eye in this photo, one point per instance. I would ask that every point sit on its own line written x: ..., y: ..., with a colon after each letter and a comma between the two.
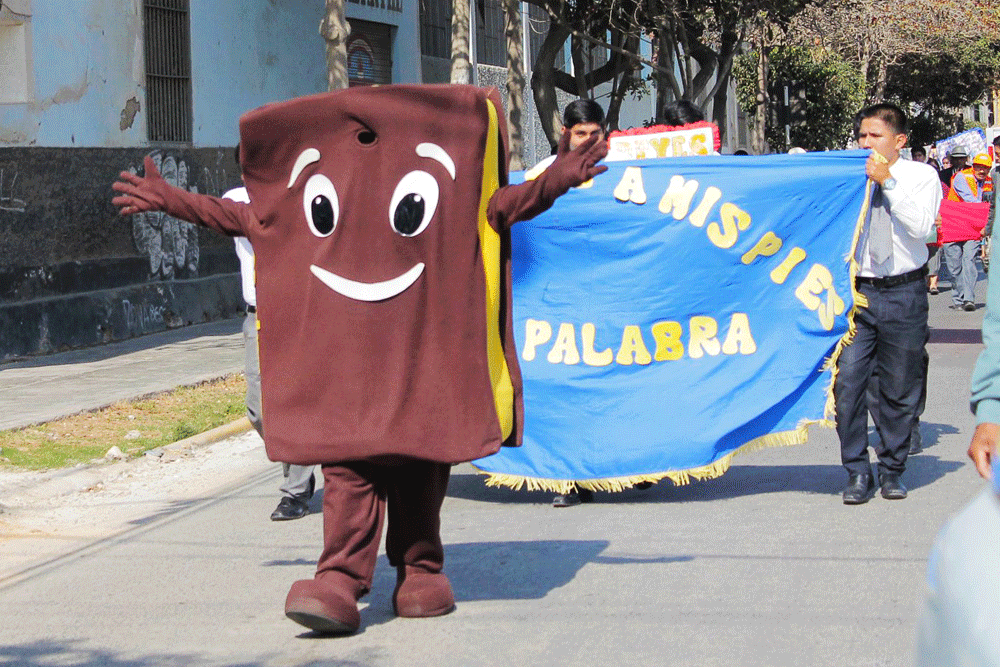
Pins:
x: 322, y: 207
x: 413, y: 203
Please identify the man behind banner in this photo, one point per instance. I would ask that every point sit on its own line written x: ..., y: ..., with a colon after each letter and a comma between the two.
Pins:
x: 892, y: 330
x: 971, y: 185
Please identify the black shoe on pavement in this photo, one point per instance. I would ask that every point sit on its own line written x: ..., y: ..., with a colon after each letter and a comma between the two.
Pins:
x: 968, y: 306
x: 892, y: 488
x: 859, y: 490
x: 566, y: 499
x: 573, y: 498
x: 290, y: 508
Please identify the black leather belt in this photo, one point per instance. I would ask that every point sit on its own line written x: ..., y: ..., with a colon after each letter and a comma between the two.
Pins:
x: 893, y: 281
x: 251, y: 309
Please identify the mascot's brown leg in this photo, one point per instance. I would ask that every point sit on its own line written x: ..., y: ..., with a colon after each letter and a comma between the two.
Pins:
x: 415, y: 492
x: 353, y: 508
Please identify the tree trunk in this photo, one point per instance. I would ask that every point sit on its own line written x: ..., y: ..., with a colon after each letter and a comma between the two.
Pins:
x: 666, y: 86
x: 515, y: 82
x: 759, y: 140
x: 864, y: 64
x: 620, y: 86
x: 543, y: 82
x: 719, y: 94
x: 720, y: 104
x: 335, y: 30
x: 581, y: 66
x: 461, y: 63
x: 880, y: 82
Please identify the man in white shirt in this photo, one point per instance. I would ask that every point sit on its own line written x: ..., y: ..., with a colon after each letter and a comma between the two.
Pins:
x: 892, y: 330
x: 299, y: 483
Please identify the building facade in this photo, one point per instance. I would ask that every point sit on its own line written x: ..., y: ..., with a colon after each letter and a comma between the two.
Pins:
x: 89, y: 88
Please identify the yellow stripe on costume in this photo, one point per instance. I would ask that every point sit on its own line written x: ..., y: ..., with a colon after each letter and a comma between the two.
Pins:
x: 489, y: 239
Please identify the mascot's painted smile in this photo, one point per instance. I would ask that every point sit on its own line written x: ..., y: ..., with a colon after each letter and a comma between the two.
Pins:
x: 410, y: 211
x: 368, y: 291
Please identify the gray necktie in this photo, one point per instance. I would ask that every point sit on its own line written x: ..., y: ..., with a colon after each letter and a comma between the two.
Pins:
x: 879, y: 228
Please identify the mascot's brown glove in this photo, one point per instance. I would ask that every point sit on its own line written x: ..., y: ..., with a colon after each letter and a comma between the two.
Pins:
x: 151, y: 193
x: 573, y: 168
x: 142, y: 194
x: 570, y: 168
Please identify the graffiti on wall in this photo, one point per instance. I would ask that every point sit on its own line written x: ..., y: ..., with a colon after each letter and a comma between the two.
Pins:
x: 214, y: 182
x: 143, y: 316
x: 9, y: 201
x: 170, y: 244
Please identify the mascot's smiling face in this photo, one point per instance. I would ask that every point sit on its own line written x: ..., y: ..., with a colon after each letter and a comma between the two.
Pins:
x: 365, y: 190
x: 411, y: 209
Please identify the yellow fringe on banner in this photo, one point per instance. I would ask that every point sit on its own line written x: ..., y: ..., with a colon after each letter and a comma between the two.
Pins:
x: 860, y: 301
x: 682, y: 477
x: 679, y: 477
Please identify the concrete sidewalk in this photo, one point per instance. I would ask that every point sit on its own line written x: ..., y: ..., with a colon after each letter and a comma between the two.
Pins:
x: 43, y: 388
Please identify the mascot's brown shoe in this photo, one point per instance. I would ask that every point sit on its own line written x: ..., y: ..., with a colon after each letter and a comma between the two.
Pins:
x: 420, y: 594
x: 322, y: 607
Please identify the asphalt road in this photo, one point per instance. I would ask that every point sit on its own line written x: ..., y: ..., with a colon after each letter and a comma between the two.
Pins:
x: 764, y: 566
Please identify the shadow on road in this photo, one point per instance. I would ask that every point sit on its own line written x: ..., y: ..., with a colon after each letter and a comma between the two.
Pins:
x: 47, y: 653
x: 484, y: 571
x: 957, y: 336
x: 740, y: 481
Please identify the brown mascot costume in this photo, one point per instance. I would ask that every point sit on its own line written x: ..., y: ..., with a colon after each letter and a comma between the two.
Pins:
x: 380, y: 221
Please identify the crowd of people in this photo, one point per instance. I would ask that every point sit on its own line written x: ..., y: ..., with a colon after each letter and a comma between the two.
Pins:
x: 960, y: 246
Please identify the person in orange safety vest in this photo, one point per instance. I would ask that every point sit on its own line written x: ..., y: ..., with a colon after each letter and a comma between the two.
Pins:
x: 973, y: 183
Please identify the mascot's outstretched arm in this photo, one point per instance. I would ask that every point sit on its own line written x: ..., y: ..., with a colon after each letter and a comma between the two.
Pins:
x: 152, y: 193
x: 571, y: 168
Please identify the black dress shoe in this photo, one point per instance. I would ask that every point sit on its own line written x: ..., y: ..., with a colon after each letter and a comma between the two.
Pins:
x: 859, y: 490
x: 573, y: 498
x: 290, y: 508
x: 566, y: 499
x: 968, y: 306
x: 892, y: 488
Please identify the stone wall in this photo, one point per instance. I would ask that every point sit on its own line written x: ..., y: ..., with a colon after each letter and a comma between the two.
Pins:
x: 73, y: 273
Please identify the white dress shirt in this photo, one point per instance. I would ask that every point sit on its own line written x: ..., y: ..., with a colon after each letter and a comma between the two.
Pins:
x: 913, y: 206
x: 244, y: 251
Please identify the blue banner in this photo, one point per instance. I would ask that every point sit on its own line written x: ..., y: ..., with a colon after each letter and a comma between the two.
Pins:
x: 676, y: 310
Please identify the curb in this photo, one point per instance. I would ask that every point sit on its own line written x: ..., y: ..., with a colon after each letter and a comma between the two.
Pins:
x: 241, y: 425
x: 79, y: 478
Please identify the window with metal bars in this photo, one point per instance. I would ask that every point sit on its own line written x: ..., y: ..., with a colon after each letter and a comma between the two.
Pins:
x: 168, y: 70
x: 491, y: 42
x: 435, y: 28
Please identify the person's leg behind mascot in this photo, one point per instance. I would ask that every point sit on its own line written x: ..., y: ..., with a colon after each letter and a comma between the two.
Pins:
x: 354, y: 503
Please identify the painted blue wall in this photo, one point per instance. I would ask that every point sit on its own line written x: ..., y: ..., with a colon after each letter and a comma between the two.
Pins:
x: 88, y: 61
x: 248, y: 53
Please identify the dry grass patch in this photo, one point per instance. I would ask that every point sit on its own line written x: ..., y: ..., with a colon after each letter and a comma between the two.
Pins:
x: 133, y: 426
